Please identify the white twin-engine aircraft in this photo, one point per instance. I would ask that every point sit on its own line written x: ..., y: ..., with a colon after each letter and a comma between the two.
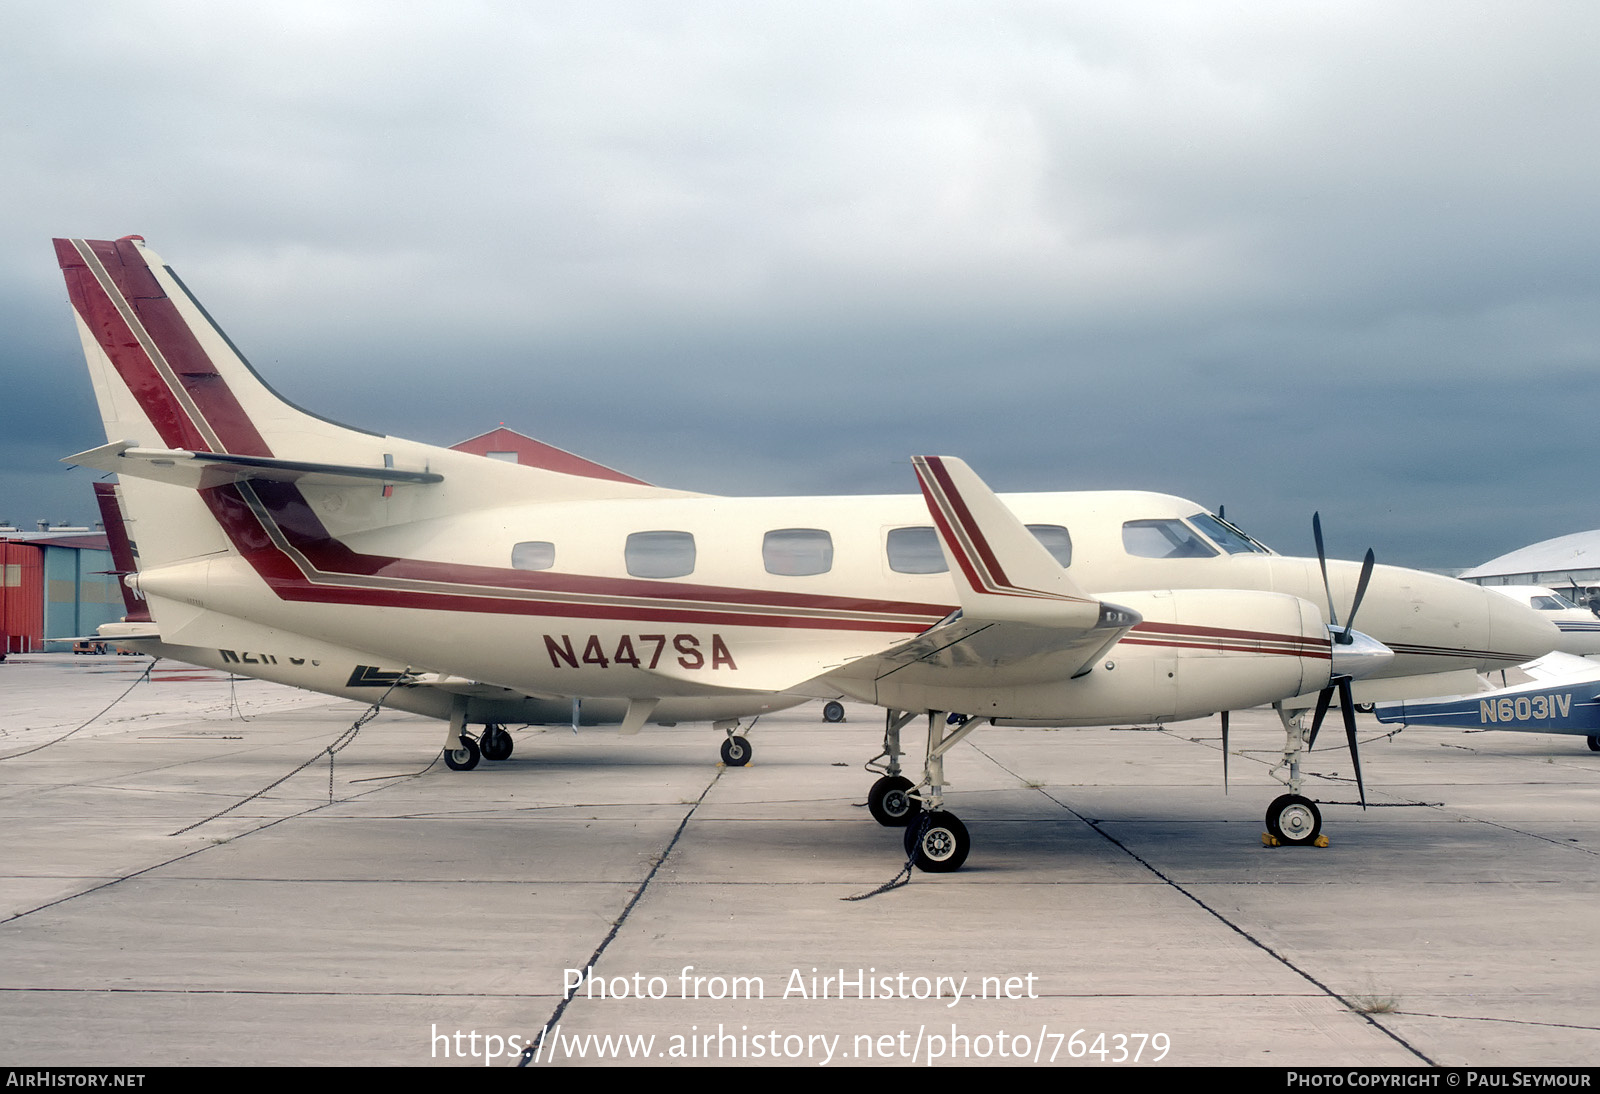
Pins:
x: 281, y: 545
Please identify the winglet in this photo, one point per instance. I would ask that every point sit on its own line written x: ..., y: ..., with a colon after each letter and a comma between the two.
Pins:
x: 1002, y: 572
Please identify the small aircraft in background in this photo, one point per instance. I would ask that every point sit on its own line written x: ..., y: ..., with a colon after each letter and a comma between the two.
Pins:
x: 1564, y: 697
x: 289, y: 547
x: 1579, y: 627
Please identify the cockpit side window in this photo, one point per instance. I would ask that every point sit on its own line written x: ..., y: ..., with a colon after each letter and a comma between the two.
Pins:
x: 1552, y: 603
x: 915, y: 551
x: 1056, y: 540
x: 1163, y: 539
x: 1226, y: 536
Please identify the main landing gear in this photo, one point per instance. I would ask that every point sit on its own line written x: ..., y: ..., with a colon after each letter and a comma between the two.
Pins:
x: 935, y: 840
x: 464, y: 757
x: 494, y: 742
x: 462, y: 752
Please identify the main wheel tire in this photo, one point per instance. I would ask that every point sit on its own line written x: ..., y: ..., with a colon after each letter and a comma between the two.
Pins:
x: 833, y: 711
x: 890, y: 802
x: 1594, y: 744
x: 1293, y: 820
x: 495, y: 743
x: 939, y: 846
x: 464, y: 758
x: 735, y: 751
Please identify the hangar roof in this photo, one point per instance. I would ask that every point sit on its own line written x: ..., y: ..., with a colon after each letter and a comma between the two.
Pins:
x: 1579, y: 551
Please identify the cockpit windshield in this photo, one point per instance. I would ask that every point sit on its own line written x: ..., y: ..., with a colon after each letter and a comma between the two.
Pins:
x: 1226, y: 536
x: 1163, y: 539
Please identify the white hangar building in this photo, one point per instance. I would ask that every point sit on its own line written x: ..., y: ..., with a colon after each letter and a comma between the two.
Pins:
x: 1568, y: 564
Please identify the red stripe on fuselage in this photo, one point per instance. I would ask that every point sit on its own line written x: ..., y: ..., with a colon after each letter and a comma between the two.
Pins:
x: 332, y: 561
x: 1226, y: 638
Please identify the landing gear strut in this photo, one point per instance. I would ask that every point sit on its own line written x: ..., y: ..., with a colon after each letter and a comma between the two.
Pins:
x: 460, y: 751
x: 1292, y: 819
x: 891, y: 800
x: 935, y: 840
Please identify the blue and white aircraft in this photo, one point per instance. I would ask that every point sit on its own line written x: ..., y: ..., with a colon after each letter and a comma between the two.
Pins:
x: 1564, y: 697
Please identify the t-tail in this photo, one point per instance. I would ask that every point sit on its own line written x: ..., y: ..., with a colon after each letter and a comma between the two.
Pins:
x: 182, y: 408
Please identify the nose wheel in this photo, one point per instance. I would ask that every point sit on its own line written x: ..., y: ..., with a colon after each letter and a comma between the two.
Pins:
x: 1293, y: 820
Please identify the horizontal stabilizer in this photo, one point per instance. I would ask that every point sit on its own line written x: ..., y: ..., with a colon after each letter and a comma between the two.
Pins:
x: 199, y: 470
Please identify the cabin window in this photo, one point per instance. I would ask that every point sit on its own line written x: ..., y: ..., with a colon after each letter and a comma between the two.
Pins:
x: 916, y: 551
x: 1056, y: 540
x: 1163, y: 539
x: 797, y: 552
x: 1226, y: 536
x: 538, y: 554
x: 660, y: 554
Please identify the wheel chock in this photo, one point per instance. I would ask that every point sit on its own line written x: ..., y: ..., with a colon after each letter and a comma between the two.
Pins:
x: 1269, y: 840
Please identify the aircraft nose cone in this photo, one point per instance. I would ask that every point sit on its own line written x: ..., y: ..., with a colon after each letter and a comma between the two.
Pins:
x: 1356, y: 655
x: 1517, y: 633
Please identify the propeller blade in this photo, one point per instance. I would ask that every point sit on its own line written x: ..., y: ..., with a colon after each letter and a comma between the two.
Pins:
x: 1323, y: 698
x: 1361, y: 591
x: 1348, y: 704
x: 1224, y: 752
x: 1322, y: 560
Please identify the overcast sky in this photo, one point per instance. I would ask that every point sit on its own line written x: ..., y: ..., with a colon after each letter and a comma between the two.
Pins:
x: 1274, y: 256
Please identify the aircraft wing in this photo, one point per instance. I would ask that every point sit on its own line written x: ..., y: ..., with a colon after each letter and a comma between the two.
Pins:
x: 472, y: 689
x: 1565, y: 667
x: 1022, y: 619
